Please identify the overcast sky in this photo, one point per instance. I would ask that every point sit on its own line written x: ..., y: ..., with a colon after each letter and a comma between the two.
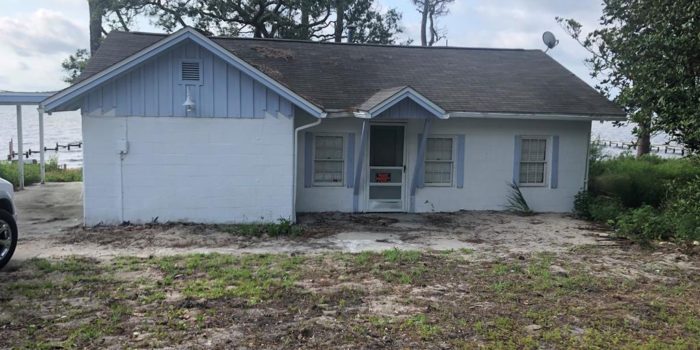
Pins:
x: 37, y: 35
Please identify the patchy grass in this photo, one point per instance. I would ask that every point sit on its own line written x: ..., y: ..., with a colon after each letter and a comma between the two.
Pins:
x: 401, y: 256
x: 395, y: 298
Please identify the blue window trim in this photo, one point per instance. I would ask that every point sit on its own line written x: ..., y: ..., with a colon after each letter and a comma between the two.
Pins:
x: 345, y: 153
x: 554, y: 181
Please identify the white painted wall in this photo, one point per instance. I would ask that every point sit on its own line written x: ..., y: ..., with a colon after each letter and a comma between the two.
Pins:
x: 488, y: 166
x: 238, y: 170
x: 209, y: 170
x: 489, y: 147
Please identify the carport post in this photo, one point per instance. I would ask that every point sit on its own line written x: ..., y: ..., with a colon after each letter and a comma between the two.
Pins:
x: 20, y: 149
x: 42, y: 164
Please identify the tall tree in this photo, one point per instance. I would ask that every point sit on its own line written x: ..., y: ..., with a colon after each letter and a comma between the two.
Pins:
x: 74, y: 65
x: 647, y: 54
x: 289, y: 19
x: 118, y: 14
x: 371, y: 25
x: 96, y: 10
x: 339, y: 20
x: 430, y: 11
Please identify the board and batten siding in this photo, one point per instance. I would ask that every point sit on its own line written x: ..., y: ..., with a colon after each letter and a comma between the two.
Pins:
x: 404, y: 109
x: 154, y: 89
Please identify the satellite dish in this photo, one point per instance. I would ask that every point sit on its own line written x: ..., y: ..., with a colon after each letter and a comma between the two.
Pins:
x: 550, y: 40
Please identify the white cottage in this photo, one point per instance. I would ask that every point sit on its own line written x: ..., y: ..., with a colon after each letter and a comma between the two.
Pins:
x: 184, y: 127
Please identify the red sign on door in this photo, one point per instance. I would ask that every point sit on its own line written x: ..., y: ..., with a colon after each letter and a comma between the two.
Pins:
x: 382, y: 177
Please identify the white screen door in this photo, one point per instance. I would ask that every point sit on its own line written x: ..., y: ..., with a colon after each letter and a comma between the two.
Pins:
x: 386, y: 168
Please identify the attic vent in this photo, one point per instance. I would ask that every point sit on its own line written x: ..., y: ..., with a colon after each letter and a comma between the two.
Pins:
x: 190, y: 71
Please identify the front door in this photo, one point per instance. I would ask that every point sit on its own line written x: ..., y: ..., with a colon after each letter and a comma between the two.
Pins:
x: 386, y: 168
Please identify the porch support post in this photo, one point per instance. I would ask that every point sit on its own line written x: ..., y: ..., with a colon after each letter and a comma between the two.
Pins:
x: 359, y: 166
x: 20, y: 148
x: 42, y: 163
x: 420, y: 162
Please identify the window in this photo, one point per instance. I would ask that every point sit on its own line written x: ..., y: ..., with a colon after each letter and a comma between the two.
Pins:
x: 190, y: 71
x: 533, y: 161
x: 328, y: 160
x: 439, y: 161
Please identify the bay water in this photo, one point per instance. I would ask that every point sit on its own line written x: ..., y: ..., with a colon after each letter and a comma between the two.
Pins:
x: 65, y: 127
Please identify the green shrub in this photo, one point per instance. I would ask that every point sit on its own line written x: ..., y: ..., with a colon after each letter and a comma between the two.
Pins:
x: 644, y: 198
x: 582, y: 205
x: 605, y: 209
x: 639, y: 181
x: 683, y: 209
x: 597, y: 208
x: 644, y: 224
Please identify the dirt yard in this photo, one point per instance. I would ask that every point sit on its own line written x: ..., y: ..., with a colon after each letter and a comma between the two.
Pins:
x: 50, y: 218
x: 462, y: 280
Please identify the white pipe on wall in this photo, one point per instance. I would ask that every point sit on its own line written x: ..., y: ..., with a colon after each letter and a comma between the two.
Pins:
x: 296, y: 165
x: 588, y: 162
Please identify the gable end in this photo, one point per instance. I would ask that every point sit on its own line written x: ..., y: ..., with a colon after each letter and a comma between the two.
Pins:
x: 255, y: 85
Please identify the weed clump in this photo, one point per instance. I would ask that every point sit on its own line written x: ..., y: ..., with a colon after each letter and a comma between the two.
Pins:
x: 516, y: 201
x: 282, y: 227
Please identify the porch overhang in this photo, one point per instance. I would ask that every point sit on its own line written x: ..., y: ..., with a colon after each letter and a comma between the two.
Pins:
x: 387, y: 98
x: 19, y: 99
x: 12, y: 98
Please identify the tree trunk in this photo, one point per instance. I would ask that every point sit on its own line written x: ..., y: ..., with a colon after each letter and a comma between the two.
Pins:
x: 643, y: 140
x: 433, y: 33
x: 258, y: 31
x: 304, y: 34
x: 424, y: 23
x: 96, y: 10
x: 340, y: 16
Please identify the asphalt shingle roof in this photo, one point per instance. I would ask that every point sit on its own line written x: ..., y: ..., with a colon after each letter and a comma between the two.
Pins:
x: 344, y: 76
x: 379, y: 97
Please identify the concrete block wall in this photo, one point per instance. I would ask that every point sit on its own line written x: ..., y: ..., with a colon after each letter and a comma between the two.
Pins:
x: 208, y: 170
x: 488, y: 164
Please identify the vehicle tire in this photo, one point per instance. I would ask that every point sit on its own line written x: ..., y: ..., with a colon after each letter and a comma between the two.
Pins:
x: 8, y: 237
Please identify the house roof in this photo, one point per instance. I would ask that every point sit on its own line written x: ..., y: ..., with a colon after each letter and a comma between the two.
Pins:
x: 379, y: 97
x: 346, y: 77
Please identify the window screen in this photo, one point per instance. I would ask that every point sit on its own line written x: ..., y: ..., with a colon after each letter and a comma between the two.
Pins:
x: 439, y: 161
x: 533, y: 161
x: 328, y: 160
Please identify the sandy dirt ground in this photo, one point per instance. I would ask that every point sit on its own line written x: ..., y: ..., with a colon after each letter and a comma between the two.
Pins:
x: 50, y: 219
x: 461, y: 280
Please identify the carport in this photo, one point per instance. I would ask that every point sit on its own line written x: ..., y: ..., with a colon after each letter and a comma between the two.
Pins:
x: 19, y: 99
